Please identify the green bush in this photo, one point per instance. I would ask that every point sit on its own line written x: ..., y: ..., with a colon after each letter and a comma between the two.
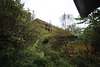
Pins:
x: 30, y: 58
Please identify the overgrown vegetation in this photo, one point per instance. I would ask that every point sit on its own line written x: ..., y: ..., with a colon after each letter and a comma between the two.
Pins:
x: 25, y: 43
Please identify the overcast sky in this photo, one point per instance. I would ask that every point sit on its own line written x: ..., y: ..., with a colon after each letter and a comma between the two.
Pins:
x: 51, y: 10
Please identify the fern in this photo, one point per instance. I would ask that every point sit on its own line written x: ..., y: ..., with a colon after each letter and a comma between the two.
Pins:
x: 35, y: 45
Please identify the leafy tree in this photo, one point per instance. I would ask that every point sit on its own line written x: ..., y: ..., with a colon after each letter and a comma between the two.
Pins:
x: 92, y: 33
x: 74, y: 29
x: 10, y: 40
x: 15, y: 28
x: 66, y: 19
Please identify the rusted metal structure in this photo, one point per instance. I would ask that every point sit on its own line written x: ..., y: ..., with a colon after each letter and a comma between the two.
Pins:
x: 86, y: 6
